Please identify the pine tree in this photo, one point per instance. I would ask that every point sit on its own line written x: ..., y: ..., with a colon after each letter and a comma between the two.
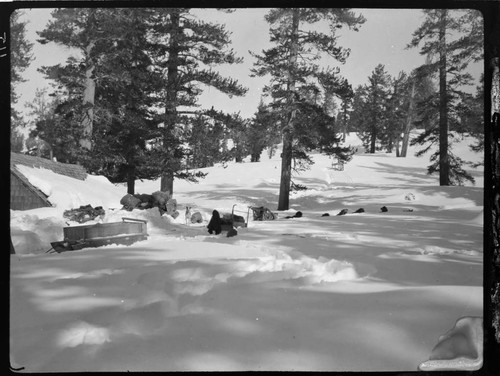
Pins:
x: 124, y: 122
x: 206, y: 135
x: 291, y: 63
x: 345, y: 111
x: 260, y: 132
x: 453, y: 57
x: 398, y: 106
x: 20, y: 58
x: 472, y: 116
x: 85, y: 30
x: 371, y: 109
x: 186, y: 48
x: 358, y: 120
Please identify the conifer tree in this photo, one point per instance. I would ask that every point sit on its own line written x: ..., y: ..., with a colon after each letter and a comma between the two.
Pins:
x: 455, y: 37
x: 292, y: 65
x: 86, y: 31
x: 261, y: 131
x: 106, y: 94
x: 135, y: 60
x: 371, y: 109
x: 185, y: 48
x: 20, y: 58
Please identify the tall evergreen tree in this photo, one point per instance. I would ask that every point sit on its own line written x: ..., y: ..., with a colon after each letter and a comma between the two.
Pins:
x: 186, y: 48
x: 291, y: 63
x: 86, y: 30
x: 206, y: 137
x: 135, y: 60
x: 261, y: 131
x: 345, y: 111
x: 371, y: 104
x: 397, y: 110
x: 20, y: 58
x: 125, y: 90
x: 106, y: 93
x: 456, y: 38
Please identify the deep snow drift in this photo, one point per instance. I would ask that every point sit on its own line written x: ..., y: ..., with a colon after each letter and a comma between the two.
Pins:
x: 368, y: 291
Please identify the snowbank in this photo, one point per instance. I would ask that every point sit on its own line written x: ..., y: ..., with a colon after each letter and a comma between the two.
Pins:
x: 66, y: 193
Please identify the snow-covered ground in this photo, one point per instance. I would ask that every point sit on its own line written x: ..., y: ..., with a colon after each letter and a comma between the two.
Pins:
x: 367, y: 291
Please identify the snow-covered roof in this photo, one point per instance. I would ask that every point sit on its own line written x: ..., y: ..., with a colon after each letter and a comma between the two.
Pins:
x: 70, y: 170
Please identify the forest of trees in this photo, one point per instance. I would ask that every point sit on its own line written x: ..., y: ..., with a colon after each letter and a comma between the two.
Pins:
x: 126, y: 104
x: 431, y: 98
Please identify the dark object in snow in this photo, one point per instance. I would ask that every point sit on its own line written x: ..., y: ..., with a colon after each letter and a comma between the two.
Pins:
x: 172, y: 208
x: 130, y: 202
x: 296, y: 215
x: 146, y: 201
x: 196, y: 218
x: 84, y: 213
x: 408, y: 210
x: 343, y: 212
x: 215, y: 223
x: 127, y: 232
x: 160, y: 200
x: 360, y: 210
x: 325, y: 215
x: 230, y: 220
x: 232, y: 232
x: 383, y: 209
x: 261, y: 213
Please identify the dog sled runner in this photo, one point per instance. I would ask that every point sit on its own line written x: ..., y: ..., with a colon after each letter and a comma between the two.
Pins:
x: 127, y: 232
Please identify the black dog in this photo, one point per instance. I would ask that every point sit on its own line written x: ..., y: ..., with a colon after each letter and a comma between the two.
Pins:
x: 215, y: 223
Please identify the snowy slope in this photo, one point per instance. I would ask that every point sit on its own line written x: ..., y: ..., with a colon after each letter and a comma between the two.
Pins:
x: 368, y: 291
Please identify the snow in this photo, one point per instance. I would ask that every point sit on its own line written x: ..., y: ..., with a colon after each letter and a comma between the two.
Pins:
x: 360, y: 292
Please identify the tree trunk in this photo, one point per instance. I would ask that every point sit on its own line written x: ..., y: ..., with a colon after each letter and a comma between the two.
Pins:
x: 88, y: 101
x: 444, y: 167
x: 390, y: 144
x: 167, y: 183
x: 286, y: 172
x: 286, y: 156
x: 167, y: 178
x: 373, y: 139
x: 131, y: 181
x: 406, y: 134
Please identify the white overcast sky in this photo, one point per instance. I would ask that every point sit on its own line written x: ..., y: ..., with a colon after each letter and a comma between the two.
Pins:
x: 381, y: 40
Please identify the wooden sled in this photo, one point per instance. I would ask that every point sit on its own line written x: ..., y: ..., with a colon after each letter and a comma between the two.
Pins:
x: 127, y: 232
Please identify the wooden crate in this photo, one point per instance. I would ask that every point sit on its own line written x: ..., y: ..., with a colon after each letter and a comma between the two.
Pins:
x: 127, y: 232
